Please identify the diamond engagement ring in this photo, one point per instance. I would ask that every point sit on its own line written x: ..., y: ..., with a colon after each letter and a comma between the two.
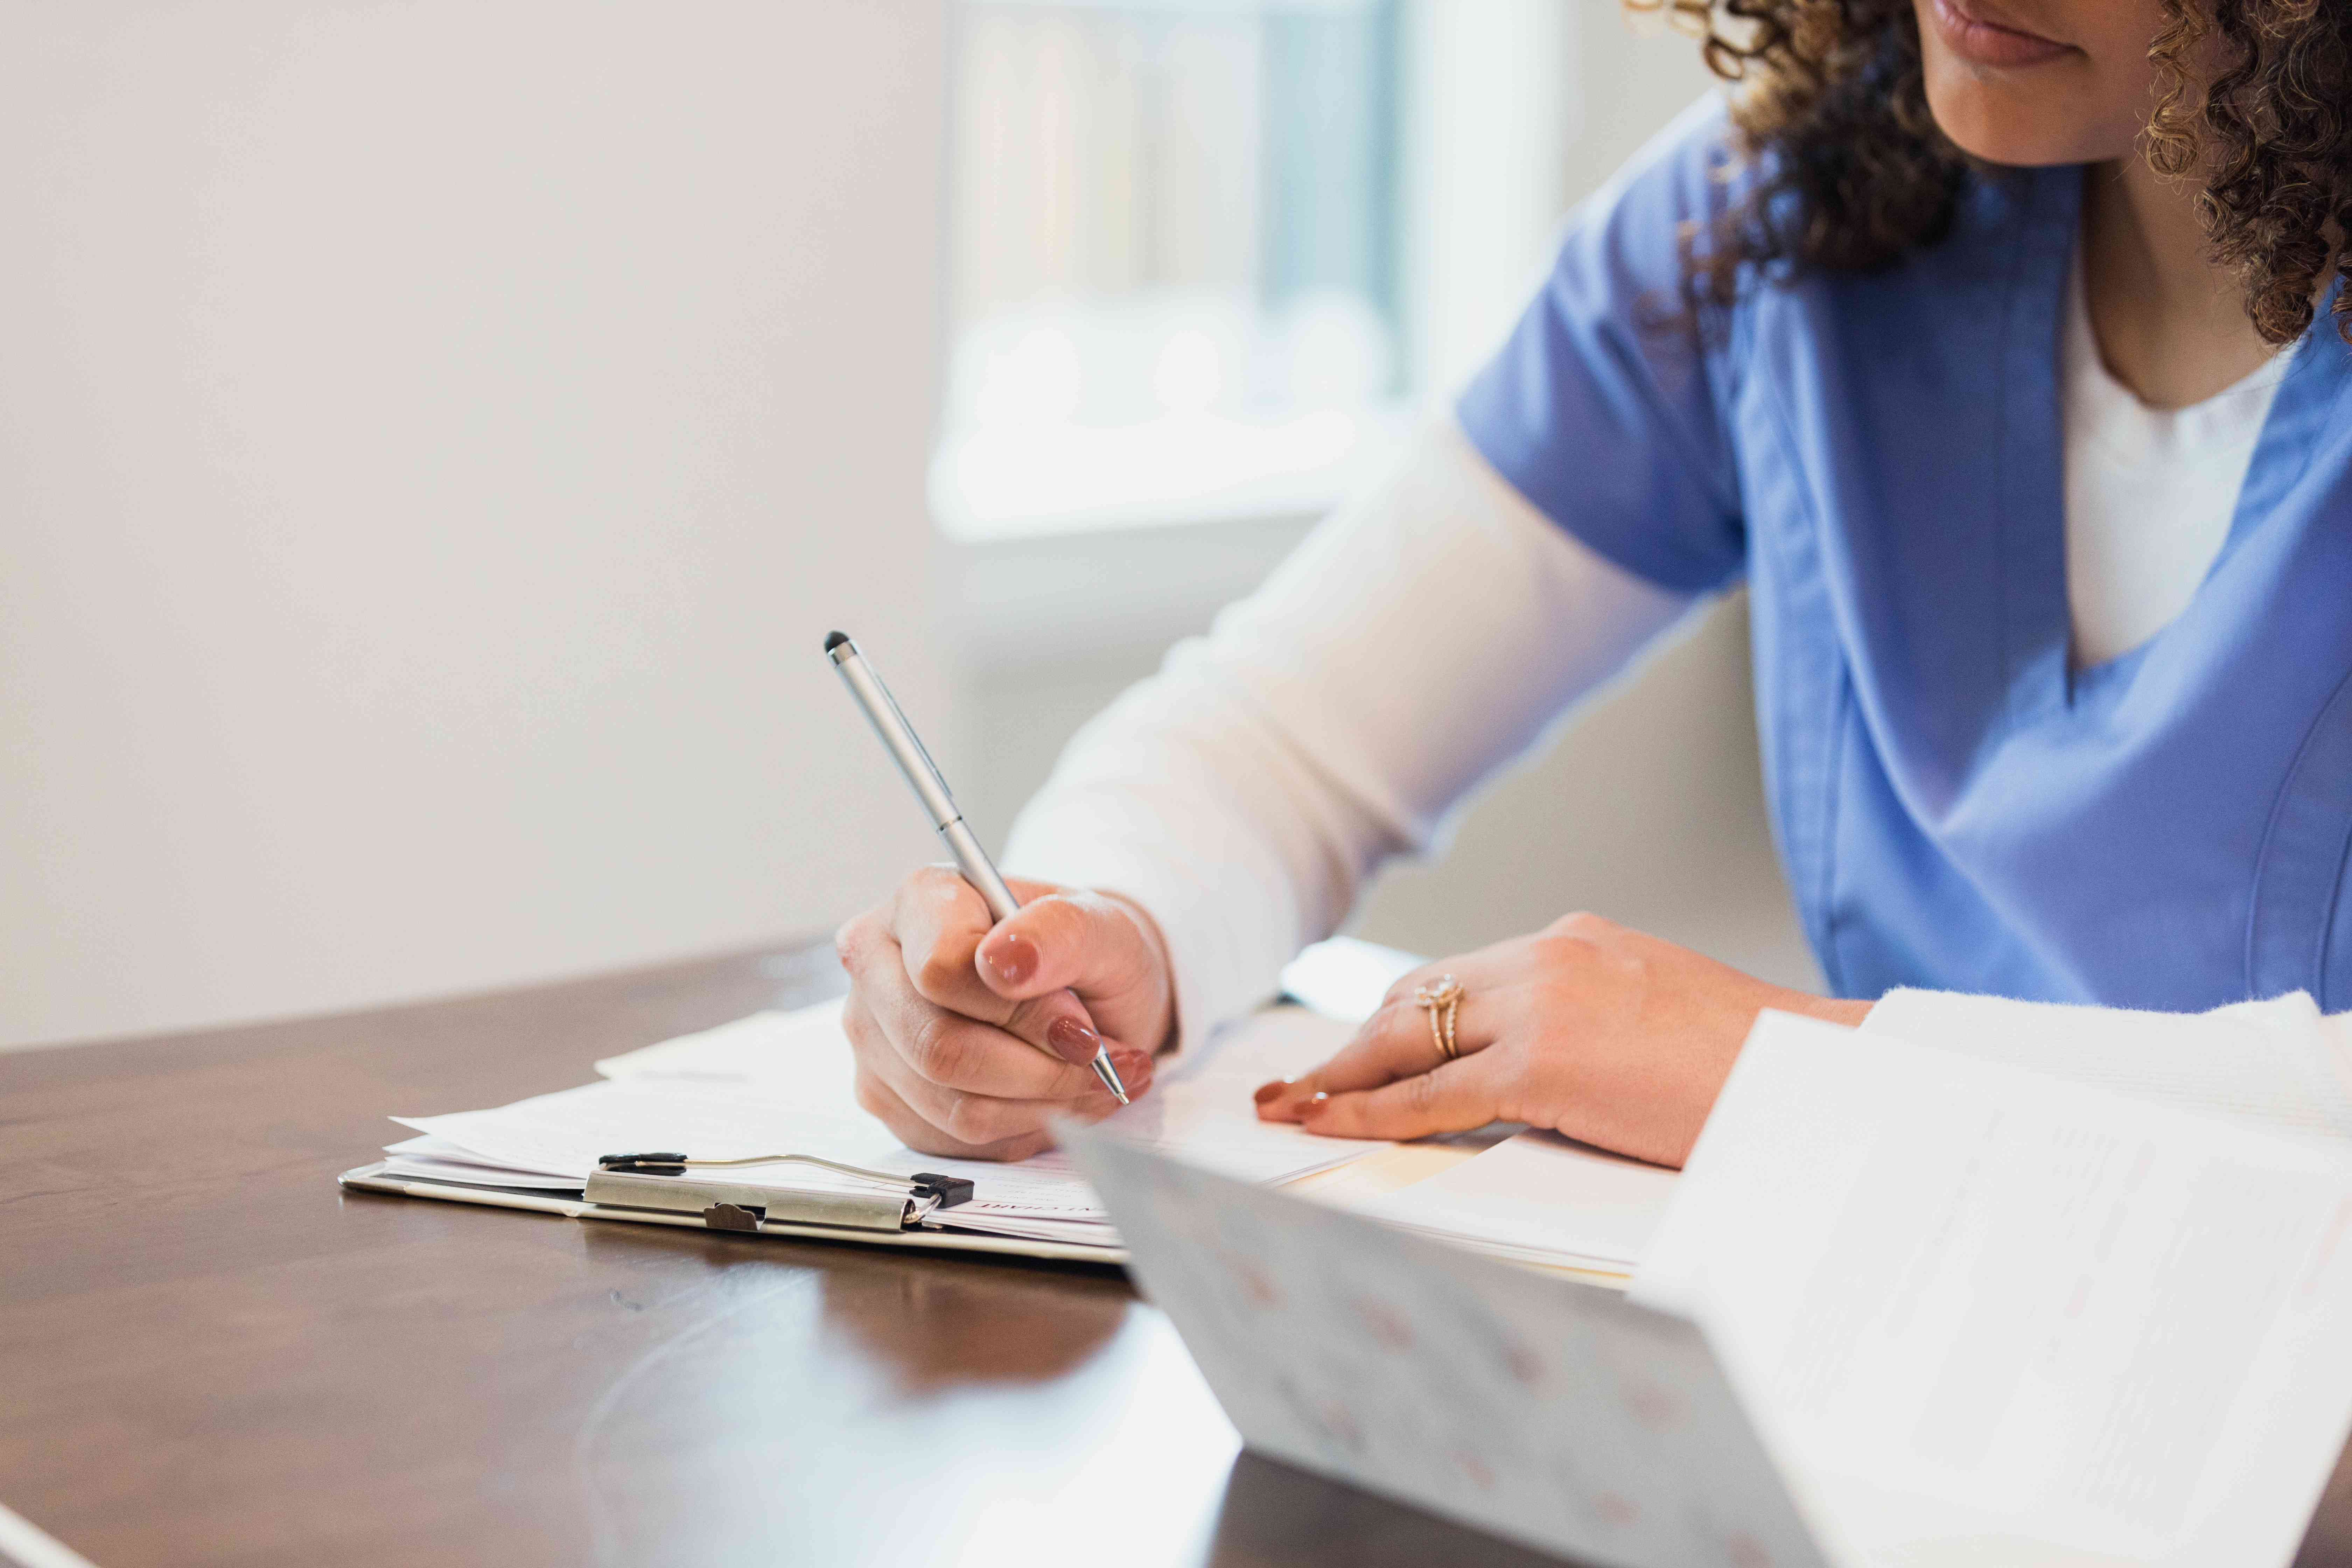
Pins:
x: 1440, y: 998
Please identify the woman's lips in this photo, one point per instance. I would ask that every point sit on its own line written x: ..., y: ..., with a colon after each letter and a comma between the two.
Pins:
x: 1973, y: 39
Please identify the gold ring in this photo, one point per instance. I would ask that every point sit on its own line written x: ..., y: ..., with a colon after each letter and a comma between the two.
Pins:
x: 1440, y: 999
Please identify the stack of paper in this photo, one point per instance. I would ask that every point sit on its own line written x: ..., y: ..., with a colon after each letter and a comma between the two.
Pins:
x: 552, y: 1142
x: 777, y: 1083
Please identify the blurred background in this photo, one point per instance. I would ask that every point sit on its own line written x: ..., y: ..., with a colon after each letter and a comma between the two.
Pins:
x: 434, y: 437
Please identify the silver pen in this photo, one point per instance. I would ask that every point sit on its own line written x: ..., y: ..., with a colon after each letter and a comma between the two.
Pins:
x: 923, y: 777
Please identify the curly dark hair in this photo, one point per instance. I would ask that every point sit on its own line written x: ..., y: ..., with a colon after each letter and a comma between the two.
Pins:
x: 1834, y: 107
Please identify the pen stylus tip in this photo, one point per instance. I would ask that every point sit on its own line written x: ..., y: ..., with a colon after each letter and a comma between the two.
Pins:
x: 1110, y: 1076
x: 834, y: 639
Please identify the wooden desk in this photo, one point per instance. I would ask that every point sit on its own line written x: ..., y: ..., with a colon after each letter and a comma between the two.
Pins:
x: 210, y: 1356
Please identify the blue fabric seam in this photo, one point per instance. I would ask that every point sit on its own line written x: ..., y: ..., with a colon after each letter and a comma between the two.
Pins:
x: 1833, y: 965
x: 2271, y: 825
x: 1637, y: 376
x: 1655, y: 395
x: 2302, y: 365
x: 1831, y: 792
x: 2306, y: 363
x: 2328, y: 922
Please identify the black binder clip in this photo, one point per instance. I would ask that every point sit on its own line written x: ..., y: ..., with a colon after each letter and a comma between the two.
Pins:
x: 949, y: 1190
x: 643, y: 1165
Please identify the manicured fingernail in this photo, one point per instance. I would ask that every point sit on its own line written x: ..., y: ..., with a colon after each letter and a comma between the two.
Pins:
x: 1271, y: 1091
x: 1012, y: 958
x: 1072, y: 1041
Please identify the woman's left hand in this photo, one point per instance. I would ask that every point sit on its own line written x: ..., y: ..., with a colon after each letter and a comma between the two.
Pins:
x: 1610, y: 1037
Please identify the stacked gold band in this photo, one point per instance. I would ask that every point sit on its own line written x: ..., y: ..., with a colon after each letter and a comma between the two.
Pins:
x: 1440, y: 999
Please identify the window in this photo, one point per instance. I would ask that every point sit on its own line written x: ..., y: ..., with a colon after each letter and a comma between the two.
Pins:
x: 1175, y: 284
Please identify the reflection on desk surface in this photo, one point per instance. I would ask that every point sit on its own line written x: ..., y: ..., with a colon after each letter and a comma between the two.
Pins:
x: 974, y: 1411
x: 946, y: 1325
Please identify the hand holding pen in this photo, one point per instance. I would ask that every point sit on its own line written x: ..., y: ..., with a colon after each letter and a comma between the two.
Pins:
x: 977, y: 1011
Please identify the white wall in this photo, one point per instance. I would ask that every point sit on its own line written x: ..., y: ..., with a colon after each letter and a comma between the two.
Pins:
x: 434, y: 439
x: 1492, y: 98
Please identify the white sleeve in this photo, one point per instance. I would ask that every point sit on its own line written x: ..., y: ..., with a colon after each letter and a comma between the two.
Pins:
x: 1418, y: 639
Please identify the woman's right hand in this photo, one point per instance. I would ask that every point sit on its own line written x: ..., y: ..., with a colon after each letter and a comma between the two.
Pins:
x: 948, y: 1011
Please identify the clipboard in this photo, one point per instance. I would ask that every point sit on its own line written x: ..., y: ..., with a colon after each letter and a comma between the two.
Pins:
x: 734, y: 1209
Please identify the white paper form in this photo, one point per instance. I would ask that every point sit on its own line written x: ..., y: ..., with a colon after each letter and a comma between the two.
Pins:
x: 1542, y: 1198
x: 2275, y: 1065
x: 1998, y: 1317
x: 1199, y: 1107
x: 1534, y: 1407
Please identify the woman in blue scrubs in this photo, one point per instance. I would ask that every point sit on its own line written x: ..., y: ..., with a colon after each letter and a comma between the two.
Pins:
x: 1821, y: 343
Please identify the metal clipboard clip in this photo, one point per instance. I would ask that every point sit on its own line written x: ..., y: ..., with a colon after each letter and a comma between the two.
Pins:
x: 658, y: 1181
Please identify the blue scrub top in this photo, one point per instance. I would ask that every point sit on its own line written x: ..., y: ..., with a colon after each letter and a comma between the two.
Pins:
x: 1879, y: 456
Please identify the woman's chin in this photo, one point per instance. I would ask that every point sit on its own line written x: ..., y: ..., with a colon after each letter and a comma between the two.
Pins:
x: 1995, y: 123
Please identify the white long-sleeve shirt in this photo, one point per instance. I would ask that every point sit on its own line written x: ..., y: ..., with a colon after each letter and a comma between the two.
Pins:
x: 1422, y: 636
